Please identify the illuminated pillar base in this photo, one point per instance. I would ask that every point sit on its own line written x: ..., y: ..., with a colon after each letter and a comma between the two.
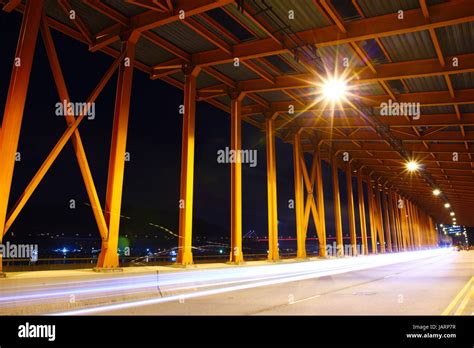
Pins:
x: 108, y: 259
x: 185, y: 258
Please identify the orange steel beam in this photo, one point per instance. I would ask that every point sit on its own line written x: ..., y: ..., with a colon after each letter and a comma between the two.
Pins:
x: 57, y: 150
x: 236, y: 252
x: 337, y: 206
x: 273, y: 253
x: 108, y: 258
x: 442, y: 120
x: 362, y: 219
x: 438, y: 98
x: 185, y: 255
x: 389, y: 71
x: 392, y: 221
x: 299, y: 197
x: 15, y: 103
x: 388, y: 228
x: 378, y: 213
x: 11, y: 5
x: 372, y: 216
x: 76, y: 138
x: 316, y: 210
x: 454, y: 12
x: 77, y: 20
x: 320, y: 206
x: 350, y: 209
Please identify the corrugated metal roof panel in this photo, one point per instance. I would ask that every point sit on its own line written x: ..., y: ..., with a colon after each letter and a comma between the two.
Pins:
x: 368, y: 89
x: 239, y: 73
x: 290, y: 60
x: 336, y: 54
x: 183, y: 37
x: 427, y: 84
x: 306, y: 14
x: 462, y: 81
x: 265, y: 67
x: 213, y: 30
x: 94, y: 20
x: 275, y: 96
x: 205, y: 80
x: 468, y: 108
x: 410, y: 46
x: 431, y: 110
x: 372, y: 8
x: 125, y: 8
x: 52, y: 9
x: 151, y: 54
x: 456, y: 39
x: 246, y: 21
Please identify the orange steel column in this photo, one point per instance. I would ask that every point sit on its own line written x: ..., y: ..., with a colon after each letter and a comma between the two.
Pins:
x: 363, y: 223
x: 350, y: 209
x: 378, y: 210
x: 15, y: 103
x: 337, y: 207
x: 185, y: 254
x: 299, y: 197
x: 273, y: 253
x: 108, y: 258
x: 373, y: 232
x: 393, y: 223
x: 236, y: 253
x: 388, y: 229
x: 320, y: 192
x: 398, y: 222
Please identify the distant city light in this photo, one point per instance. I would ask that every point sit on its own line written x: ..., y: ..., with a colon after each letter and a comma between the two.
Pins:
x: 436, y: 192
x: 447, y: 205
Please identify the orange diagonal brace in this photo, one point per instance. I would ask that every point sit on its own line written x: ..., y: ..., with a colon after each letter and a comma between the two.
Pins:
x: 76, y: 138
x: 56, y: 151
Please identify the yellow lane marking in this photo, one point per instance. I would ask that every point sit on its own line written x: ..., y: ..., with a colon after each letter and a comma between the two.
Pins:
x: 464, y: 302
x: 458, y: 297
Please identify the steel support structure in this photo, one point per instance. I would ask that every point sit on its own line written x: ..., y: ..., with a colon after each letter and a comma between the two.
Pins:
x: 350, y: 209
x: 299, y: 197
x: 15, y: 103
x: 379, y: 219
x: 236, y: 252
x: 185, y: 254
x: 273, y: 252
x: 362, y: 218
x: 388, y: 228
x: 372, y: 215
x: 108, y: 258
x: 337, y: 206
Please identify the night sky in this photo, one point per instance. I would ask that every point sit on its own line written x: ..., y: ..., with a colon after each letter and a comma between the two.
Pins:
x: 151, y: 185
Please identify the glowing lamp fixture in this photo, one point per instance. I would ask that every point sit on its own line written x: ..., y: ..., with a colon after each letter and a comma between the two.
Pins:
x: 412, y: 166
x: 436, y: 192
x: 452, y: 213
x: 334, y: 89
x: 447, y: 205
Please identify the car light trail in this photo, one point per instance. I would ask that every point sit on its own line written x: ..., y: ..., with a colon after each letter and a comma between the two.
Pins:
x: 301, y: 271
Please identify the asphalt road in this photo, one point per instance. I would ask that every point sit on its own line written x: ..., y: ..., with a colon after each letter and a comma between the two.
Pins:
x: 423, y: 283
x: 422, y: 287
